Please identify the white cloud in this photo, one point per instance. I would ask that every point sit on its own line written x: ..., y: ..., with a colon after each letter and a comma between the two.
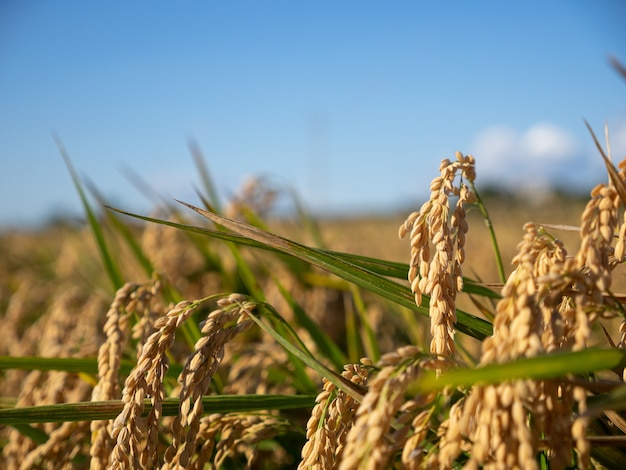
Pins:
x: 545, y: 141
x: 497, y: 144
x: 538, y: 158
x: 540, y: 142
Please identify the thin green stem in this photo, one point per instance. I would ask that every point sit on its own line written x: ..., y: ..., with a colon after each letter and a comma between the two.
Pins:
x: 492, y: 233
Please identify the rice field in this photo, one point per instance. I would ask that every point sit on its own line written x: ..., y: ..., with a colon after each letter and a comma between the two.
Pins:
x: 467, y: 332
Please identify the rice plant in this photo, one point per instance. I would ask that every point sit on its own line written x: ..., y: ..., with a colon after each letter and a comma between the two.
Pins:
x: 199, y: 338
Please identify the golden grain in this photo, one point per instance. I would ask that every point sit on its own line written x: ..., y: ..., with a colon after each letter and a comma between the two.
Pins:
x: 370, y: 442
x: 440, y: 275
x: 109, y: 360
x: 133, y: 448
x: 220, y: 327
x: 330, y: 421
x: 550, y: 303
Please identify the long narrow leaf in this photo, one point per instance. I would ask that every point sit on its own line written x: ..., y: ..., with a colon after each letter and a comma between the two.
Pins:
x: 617, y: 65
x: 100, y: 410
x: 36, y: 435
x: 358, y: 275
x: 306, y: 357
x: 541, y: 367
x: 368, y: 336
x: 393, y: 269
x: 326, y: 346
x: 124, y: 230
x: 334, y: 263
x: 69, y: 364
x: 205, y: 174
x: 620, y: 187
x: 615, y: 400
x: 111, y: 268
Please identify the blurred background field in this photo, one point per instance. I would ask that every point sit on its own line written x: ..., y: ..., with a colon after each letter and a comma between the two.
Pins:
x: 44, y: 252
x: 56, y: 294
x: 38, y: 266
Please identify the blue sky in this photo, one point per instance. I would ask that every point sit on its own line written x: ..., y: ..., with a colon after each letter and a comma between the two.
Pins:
x: 352, y: 104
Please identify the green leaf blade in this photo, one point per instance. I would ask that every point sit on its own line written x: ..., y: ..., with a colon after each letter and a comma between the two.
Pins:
x: 102, y: 410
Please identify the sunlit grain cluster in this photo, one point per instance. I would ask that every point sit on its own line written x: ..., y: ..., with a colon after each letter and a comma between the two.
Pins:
x: 187, y: 343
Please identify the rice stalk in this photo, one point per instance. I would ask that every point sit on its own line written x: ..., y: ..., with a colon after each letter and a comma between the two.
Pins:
x: 136, y: 437
x: 547, y: 391
x: 439, y: 274
x: 331, y: 418
x: 219, y: 328
x: 130, y: 299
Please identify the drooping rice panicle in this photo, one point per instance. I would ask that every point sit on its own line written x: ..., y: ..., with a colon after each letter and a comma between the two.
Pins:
x: 494, y: 418
x: 220, y: 327
x: 549, y: 303
x: 384, y: 419
x: 57, y: 336
x: 596, y: 261
x: 549, y: 306
x: 136, y: 437
x: 18, y: 445
x: 330, y: 421
x: 222, y: 436
x: 439, y: 274
x: 130, y: 298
